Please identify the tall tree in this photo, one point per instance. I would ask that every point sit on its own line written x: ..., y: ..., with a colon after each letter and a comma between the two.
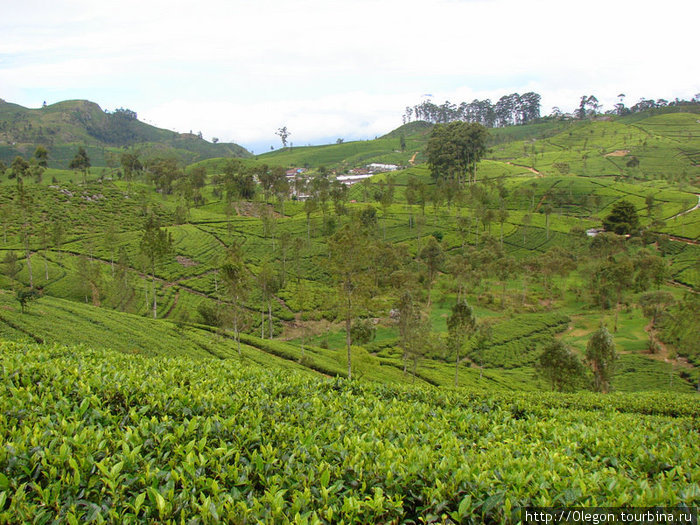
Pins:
x: 348, y: 264
x: 81, y: 162
x: 267, y: 282
x: 623, y: 218
x: 460, y: 326
x: 156, y: 245
x: 433, y: 257
x: 601, y: 355
x: 283, y: 135
x: 236, y: 282
x: 408, y: 313
x: 25, y: 203
x: 19, y: 169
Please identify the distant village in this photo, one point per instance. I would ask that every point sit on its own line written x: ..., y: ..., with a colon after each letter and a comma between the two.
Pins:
x: 350, y: 177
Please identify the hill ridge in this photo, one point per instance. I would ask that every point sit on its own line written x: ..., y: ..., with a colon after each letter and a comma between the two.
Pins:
x: 63, y: 125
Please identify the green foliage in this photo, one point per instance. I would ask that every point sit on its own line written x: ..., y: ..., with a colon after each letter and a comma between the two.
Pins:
x: 454, y: 149
x: 623, y: 219
x: 24, y: 297
x: 560, y: 366
x: 542, y: 269
x: 58, y: 127
x: 362, y: 331
x: 134, y: 439
x: 654, y: 304
x: 81, y: 160
x: 682, y: 325
x: 600, y: 353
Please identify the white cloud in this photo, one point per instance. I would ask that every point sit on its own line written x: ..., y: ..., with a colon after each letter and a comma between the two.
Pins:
x: 241, y: 68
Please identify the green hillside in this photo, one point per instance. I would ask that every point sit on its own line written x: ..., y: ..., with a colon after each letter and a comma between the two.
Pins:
x: 648, y: 146
x: 64, y: 126
x: 103, y: 228
x: 175, y: 344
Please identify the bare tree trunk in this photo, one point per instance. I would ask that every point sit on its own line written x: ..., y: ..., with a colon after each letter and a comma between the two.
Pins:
x: 348, y: 341
x: 457, y: 369
x: 269, y: 317
x: 155, y: 297
x: 236, y: 334
x: 29, y: 258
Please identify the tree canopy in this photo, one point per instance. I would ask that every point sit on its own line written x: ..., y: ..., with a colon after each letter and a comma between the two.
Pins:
x: 623, y: 218
x: 560, y: 366
x: 600, y: 353
x: 454, y: 149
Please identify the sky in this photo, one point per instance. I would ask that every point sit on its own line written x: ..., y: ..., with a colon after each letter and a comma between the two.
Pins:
x: 239, y: 70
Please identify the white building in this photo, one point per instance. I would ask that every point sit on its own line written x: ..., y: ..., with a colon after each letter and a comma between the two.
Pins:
x: 349, y: 180
x: 382, y: 167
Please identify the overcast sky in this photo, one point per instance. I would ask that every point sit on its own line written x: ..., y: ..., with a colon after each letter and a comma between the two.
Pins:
x: 238, y: 70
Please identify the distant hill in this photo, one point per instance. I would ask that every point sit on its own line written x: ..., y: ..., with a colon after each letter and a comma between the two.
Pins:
x: 64, y: 126
x: 385, y: 150
x: 658, y: 143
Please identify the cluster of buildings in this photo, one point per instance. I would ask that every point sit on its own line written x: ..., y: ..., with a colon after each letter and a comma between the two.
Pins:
x: 353, y: 176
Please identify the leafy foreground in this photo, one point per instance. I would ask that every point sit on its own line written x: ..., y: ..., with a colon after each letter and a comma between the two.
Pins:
x: 93, y: 435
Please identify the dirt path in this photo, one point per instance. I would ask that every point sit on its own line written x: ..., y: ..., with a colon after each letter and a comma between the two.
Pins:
x: 683, y: 239
x: 665, y: 354
x: 617, y: 153
x: 687, y: 211
x: 528, y: 168
x: 172, y: 306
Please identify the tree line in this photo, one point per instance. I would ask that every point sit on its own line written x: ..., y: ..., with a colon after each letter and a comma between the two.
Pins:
x: 515, y: 109
x: 507, y: 111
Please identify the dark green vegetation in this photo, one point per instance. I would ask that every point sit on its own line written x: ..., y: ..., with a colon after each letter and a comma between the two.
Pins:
x: 64, y: 126
x: 125, y: 438
x: 456, y: 299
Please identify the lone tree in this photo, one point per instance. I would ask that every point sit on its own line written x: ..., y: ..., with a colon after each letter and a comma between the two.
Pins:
x: 601, y: 355
x: 460, y: 325
x: 283, y: 134
x: 81, y: 162
x: 433, y: 257
x: 408, y: 318
x: 560, y: 366
x: 26, y: 295
x: 236, y: 281
x: 654, y: 304
x: 156, y: 244
x: 19, y: 169
x: 349, y: 266
x: 623, y: 219
x: 454, y: 149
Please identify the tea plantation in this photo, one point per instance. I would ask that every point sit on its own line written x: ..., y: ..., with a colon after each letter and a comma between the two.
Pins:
x: 176, y: 343
x: 127, y: 438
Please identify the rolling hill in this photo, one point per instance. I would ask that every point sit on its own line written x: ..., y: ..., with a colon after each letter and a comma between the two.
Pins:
x: 108, y: 415
x: 63, y: 126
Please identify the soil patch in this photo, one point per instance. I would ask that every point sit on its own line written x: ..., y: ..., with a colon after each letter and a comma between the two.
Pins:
x: 618, y: 153
x: 185, y: 261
